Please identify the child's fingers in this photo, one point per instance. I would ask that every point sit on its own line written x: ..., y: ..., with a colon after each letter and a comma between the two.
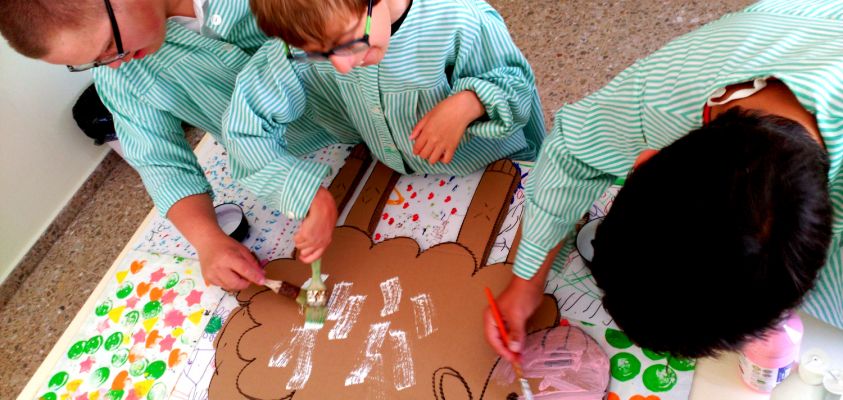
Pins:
x: 419, y: 145
x: 493, y: 337
x: 429, y: 147
x: 448, y: 156
x: 311, y: 254
x: 248, y: 271
x: 417, y: 130
x: 315, y: 255
x: 436, y: 155
x: 231, y: 281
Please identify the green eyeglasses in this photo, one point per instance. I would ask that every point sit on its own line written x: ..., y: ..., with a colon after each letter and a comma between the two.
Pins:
x: 346, y: 49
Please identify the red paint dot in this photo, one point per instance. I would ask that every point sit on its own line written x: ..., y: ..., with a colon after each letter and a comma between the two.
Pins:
x: 377, y: 236
x: 413, y: 196
x: 415, y: 217
x: 385, y: 216
x: 409, y: 188
x: 441, y: 183
x: 406, y: 205
x: 430, y: 196
x: 391, y: 221
x: 453, y: 211
x: 447, y: 199
x: 564, y: 322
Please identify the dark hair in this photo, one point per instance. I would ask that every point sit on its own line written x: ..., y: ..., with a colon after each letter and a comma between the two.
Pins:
x: 715, y: 237
x: 29, y: 25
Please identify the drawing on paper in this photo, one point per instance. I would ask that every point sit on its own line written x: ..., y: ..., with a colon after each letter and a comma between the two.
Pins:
x: 399, y: 318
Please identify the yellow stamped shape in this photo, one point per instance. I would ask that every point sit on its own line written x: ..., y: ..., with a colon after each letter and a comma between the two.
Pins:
x: 142, y: 388
x: 115, y: 313
x: 148, y: 324
x: 178, y: 332
x: 72, y: 386
x: 94, y: 395
x: 196, y: 317
x: 122, y: 276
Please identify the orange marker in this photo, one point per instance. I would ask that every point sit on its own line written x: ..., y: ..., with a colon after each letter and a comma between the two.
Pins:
x: 525, y: 386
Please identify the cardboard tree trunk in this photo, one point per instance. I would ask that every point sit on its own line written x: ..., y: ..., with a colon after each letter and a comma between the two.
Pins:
x: 402, y: 324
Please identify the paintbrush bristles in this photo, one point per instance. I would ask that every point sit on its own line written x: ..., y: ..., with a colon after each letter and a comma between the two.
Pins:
x: 316, y: 299
x: 275, y: 286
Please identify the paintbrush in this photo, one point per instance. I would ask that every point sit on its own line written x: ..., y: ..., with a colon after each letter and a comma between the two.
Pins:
x: 519, y: 374
x: 316, y: 297
x: 285, y: 289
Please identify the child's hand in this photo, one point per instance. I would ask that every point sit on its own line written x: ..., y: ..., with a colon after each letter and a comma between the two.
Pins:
x: 438, y: 134
x: 228, y: 264
x: 316, y: 230
x: 517, y: 303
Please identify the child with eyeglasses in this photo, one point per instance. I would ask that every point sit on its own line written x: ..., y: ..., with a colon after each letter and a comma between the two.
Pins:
x: 431, y: 86
x: 156, y: 64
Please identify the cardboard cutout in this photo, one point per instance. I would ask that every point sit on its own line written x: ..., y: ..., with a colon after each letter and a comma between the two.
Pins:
x: 402, y: 323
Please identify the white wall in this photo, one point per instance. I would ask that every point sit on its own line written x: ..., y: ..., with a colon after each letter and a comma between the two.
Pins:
x: 44, y: 156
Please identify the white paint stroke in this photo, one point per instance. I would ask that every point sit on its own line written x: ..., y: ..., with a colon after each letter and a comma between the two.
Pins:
x: 344, y: 324
x: 371, y: 355
x: 391, y: 290
x: 403, y: 372
x: 338, y: 300
x: 301, y: 345
x: 425, y: 314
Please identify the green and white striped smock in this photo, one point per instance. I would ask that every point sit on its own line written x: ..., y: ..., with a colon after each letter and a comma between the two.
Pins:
x: 660, y: 98
x: 189, y: 79
x: 442, y: 47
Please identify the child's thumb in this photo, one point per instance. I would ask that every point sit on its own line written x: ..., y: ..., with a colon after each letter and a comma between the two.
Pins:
x: 516, y: 336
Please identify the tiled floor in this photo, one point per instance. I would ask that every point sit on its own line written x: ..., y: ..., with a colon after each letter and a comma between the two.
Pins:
x: 575, y: 47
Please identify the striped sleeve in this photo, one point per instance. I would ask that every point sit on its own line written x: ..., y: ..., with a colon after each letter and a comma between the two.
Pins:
x: 560, y: 190
x: 268, y: 97
x: 154, y: 144
x: 825, y: 301
x: 489, y: 64
x: 592, y: 142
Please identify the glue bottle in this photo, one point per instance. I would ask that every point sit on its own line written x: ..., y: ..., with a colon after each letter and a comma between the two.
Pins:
x: 807, y: 382
x: 767, y: 361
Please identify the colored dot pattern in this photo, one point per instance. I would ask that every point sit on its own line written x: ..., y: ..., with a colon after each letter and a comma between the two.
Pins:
x: 149, y: 319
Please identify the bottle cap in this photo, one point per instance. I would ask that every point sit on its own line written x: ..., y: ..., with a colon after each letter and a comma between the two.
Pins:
x: 812, y: 366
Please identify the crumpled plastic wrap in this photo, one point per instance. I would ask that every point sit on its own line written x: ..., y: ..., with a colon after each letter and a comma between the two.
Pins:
x: 562, y: 362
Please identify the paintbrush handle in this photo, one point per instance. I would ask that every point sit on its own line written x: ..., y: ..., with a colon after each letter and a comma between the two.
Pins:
x: 316, y: 269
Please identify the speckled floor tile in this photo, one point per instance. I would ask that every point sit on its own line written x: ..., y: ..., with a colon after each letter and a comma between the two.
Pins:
x: 575, y: 47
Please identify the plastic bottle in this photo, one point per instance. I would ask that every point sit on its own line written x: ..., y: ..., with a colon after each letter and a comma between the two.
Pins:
x: 767, y: 361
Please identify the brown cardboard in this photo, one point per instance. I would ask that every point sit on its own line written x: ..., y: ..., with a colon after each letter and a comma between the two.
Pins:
x: 449, y: 361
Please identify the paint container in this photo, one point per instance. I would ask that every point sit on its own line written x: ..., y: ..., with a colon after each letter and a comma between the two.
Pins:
x: 806, y: 383
x: 585, y: 237
x: 833, y: 384
x: 232, y: 220
x: 767, y: 361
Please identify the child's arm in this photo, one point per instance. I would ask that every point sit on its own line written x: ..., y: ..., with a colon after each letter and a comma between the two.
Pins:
x: 154, y: 144
x: 490, y: 74
x: 268, y: 97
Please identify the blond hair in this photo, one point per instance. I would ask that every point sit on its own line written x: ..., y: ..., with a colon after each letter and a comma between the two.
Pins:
x: 298, y: 22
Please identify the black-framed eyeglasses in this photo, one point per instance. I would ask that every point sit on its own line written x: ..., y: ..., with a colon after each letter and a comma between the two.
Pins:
x: 346, y: 49
x: 121, y: 54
